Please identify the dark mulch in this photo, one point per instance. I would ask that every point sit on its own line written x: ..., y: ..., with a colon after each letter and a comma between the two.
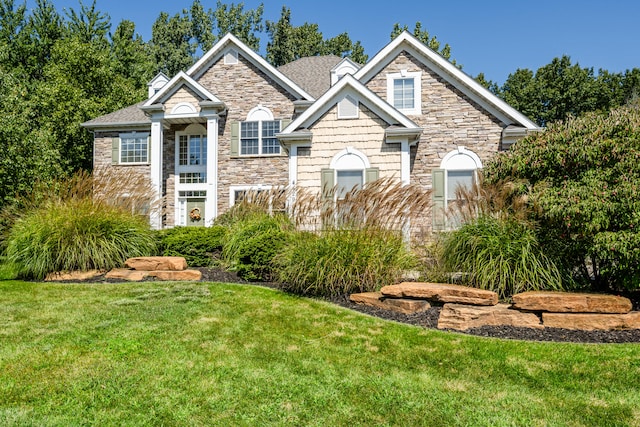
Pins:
x: 429, y: 318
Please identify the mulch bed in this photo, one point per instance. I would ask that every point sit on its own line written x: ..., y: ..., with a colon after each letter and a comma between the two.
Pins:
x: 429, y: 318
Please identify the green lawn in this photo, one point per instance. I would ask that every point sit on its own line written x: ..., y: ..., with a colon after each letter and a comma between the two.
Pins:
x: 218, y: 354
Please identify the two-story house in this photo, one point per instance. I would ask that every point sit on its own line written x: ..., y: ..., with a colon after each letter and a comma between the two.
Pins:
x: 233, y: 123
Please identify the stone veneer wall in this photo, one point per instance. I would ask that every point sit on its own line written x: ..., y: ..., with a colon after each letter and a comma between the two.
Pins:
x: 449, y: 120
x: 102, y: 164
x: 331, y: 135
x: 243, y: 87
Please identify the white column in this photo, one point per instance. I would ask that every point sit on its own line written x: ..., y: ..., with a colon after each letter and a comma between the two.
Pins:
x: 211, y: 205
x: 405, y: 163
x: 293, y: 175
x: 156, y: 171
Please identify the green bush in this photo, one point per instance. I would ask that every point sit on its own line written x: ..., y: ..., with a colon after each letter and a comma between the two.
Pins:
x: 200, y: 246
x: 253, y: 242
x: 340, y: 262
x: 500, y: 254
x: 76, y: 234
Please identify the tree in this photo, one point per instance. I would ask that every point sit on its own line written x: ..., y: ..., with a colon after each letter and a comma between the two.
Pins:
x: 88, y: 25
x: 45, y: 27
x: 288, y: 43
x: 171, y: 43
x: 244, y: 25
x: 489, y: 84
x: 583, y: 176
x: 131, y: 56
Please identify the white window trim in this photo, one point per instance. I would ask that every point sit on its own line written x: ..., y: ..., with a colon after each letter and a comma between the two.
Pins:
x: 448, y: 164
x: 136, y: 135
x: 257, y: 187
x: 260, y: 153
x: 417, y: 90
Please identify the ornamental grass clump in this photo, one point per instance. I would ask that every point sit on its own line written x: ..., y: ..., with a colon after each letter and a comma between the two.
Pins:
x: 343, y: 261
x: 76, y: 234
x: 500, y: 254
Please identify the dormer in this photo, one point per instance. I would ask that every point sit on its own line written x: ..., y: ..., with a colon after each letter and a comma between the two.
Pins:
x: 346, y: 66
x: 157, y: 83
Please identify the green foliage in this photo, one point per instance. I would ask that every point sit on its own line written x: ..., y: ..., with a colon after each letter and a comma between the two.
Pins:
x: 76, y: 234
x: 288, y: 43
x: 500, y: 254
x: 171, y: 43
x: 340, y: 262
x: 560, y: 89
x: 198, y: 245
x: 252, y: 244
x: 584, y: 176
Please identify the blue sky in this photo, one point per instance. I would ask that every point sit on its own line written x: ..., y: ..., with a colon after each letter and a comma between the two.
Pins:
x: 495, y: 37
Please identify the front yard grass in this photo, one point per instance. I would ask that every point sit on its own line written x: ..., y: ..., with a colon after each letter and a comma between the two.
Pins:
x: 223, y: 354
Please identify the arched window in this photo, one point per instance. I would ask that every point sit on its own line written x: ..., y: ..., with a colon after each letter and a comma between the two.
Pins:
x: 457, y: 169
x: 258, y: 133
x: 348, y: 169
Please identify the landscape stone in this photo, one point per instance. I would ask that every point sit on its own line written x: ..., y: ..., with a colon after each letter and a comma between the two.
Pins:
x: 73, y: 275
x: 182, y: 275
x: 441, y: 292
x: 155, y: 263
x: 592, y: 321
x: 376, y: 299
x: 126, y: 274
x: 566, y: 302
x: 462, y: 317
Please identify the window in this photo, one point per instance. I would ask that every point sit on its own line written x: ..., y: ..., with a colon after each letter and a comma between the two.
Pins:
x: 403, y: 91
x: 133, y: 148
x: 348, y: 180
x: 259, y: 138
x: 193, y: 150
x: 273, y: 198
x: 457, y: 169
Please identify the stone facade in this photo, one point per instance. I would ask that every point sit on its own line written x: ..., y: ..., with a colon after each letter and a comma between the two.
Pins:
x: 242, y: 87
x: 449, y: 119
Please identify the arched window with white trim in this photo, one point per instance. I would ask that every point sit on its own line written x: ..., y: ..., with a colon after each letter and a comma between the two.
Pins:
x: 256, y: 136
x: 349, y: 169
x: 459, y: 168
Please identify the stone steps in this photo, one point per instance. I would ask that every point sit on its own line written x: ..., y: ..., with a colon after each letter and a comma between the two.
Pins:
x: 466, y: 307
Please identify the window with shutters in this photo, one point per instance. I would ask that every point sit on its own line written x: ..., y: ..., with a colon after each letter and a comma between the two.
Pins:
x: 458, y: 170
x: 132, y: 148
x: 259, y: 138
x: 256, y: 136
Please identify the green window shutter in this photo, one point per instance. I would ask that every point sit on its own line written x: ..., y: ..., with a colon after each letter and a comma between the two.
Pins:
x: 439, y: 218
x: 235, y: 139
x: 115, y: 150
x: 327, y: 182
x: 371, y: 174
x: 284, y: 123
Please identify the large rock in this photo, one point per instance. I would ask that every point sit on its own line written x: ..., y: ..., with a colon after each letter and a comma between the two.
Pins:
x: 155, y: 263
x: 565, y: 302
x: 462, y: 317
x: 63, y: 276
x: 441, y: 292
x: 592, y: 321
x: 375, y: 299
x: 184, y: 275
x: 126, y: 274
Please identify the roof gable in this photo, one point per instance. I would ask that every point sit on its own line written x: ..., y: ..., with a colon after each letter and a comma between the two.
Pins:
x: 219, y: 49
x: 180, y: 79
x: 449, y: 72
x: 348, y: 85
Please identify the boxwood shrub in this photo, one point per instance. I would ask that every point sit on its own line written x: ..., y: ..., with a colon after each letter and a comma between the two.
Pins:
x: 200, y: 246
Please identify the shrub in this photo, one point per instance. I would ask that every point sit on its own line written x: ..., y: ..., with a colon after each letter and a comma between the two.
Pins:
x: 583, y: 174
x: 200, y: 246
x: 76, y: 234
x: 253, y: 242
x: 500, y: 254
x: 339, y: 262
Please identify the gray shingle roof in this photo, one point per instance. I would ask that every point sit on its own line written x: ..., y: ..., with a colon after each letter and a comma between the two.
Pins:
x: 312, y: 73
x: 129, y: 116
